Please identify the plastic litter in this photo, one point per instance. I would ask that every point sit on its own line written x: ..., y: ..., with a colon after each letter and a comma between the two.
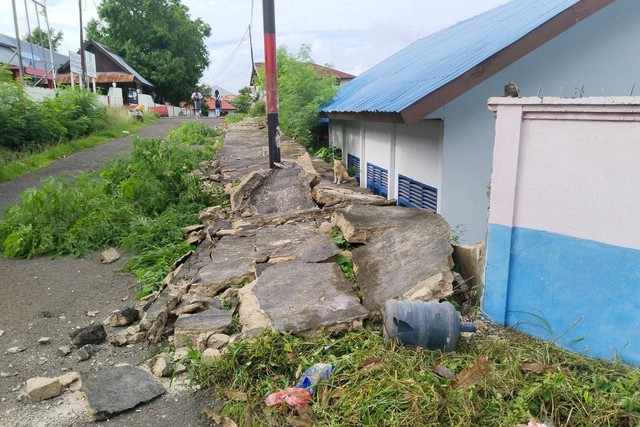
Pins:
x: 293, y: 396
x: 301, y: 394
x: 312, y: 376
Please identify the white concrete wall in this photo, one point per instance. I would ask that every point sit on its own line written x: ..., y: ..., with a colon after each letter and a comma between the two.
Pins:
x: 377, y: 137
x: 145, y: 100
x: 575, y: 169
x: 418, y: 153
x: 581, y: 59
x: 38, y: 93
x: 563, y: 244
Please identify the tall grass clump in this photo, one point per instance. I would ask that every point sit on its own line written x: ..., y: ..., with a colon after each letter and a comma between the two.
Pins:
x: 138, y: 203
x: 27, y: 125
x: 379, y: 383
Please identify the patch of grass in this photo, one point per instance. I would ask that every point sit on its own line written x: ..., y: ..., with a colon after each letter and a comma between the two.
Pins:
x: 377, y: 383
x: 16, y: 163
x: 139, y: 203
x: 234, y: 118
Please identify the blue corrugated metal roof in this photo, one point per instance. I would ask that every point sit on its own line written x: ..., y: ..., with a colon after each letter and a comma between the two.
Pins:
x: 431, y: 62
x: 9, y: 46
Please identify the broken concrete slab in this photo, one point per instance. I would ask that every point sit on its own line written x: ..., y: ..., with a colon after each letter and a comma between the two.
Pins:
x: 189, y: 327
x: 232, y: 261
x: 317, y: 248
x: 252, y: 318
x: 330, y: 195
x: 305, y: 163
x: 361, y: 224
x: 410, y: 262
x: 114, y: 390
x: 304, y: 298
x: 471, y: 261
x: 281, y: 190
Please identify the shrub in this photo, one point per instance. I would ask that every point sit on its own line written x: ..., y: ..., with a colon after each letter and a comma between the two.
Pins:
x: 259, y: 109
x: 139, y: 203
x: 29, y: 125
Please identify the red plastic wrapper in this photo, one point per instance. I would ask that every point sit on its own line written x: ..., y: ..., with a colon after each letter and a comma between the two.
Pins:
x: 293, y: 396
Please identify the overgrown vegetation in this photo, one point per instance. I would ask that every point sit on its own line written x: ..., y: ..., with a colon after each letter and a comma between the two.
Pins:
x: 243, y: 101
x: 376, y: 383
x: 234, y: 118
x: 139, y: 203
x: 14, y: 163
x: 27, y: 125
x: 301, y: 93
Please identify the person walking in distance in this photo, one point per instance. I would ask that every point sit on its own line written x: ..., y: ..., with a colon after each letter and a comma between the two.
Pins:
x: 197, y: 101
x: 218, y: 104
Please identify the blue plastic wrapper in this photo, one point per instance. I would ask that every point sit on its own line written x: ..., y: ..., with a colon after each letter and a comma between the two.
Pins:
x: 311, y: 377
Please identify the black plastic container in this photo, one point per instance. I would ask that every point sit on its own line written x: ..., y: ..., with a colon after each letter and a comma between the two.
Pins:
x: 432, y: 325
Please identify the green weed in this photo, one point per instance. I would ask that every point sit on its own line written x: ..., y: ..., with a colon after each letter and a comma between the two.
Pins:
x: 139, y: 203
x: 377, y: 383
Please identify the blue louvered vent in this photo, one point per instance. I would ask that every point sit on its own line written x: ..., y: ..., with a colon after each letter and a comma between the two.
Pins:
x: 417, y: 195
x: 353, y: 163
x: 377, y: 180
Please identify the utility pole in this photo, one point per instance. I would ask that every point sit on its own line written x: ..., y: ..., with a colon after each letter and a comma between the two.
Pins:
x: 81, y: 46
x: 15, y: 22
x: 271, y: 69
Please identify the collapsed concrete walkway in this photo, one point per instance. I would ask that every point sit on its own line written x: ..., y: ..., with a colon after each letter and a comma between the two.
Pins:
x: 267, y: 260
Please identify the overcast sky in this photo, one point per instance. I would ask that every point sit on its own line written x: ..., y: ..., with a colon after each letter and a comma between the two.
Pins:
x: 351, y: 35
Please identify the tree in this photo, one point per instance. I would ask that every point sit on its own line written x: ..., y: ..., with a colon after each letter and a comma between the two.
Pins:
x: 301, y: 93
x: 41, y: 38
x: 158, y: 39
x: 243, y: 100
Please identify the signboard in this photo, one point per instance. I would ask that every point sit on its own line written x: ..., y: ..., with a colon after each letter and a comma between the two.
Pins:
x: 90, y: 60
x: 75, y: 62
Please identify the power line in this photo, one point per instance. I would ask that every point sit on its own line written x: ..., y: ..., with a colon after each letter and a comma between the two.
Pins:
x: 227, y: 61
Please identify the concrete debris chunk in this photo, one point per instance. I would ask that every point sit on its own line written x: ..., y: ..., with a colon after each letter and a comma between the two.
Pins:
x: 114, y: 390
x: 92, y: 334
x: 161, y: 365
x: 42, y: 388
x: 122, y: 318
x: 109, y: 256
x: 188, y: 329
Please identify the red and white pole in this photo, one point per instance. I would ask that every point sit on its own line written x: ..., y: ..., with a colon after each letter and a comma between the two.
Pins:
x: 271, y: 69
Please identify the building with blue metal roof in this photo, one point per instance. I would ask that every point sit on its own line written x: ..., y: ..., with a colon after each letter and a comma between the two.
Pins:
x: 417, y: 126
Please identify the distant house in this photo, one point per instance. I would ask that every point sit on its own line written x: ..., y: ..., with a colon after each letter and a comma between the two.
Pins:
x: 417, y: 124
x: 36, y: 60
x: 112, y: 71
x: 227, y: 107
x: 322, y: 71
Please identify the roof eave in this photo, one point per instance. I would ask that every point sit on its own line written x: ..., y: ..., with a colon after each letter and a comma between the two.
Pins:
x: 368, y: 116
x: 485, y: 69
x: 502, y: 59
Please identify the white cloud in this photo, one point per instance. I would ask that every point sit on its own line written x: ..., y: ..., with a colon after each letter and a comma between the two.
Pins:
x: 353, y: 35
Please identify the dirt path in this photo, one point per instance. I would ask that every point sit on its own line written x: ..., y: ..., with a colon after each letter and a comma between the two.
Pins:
x: 50, y: 298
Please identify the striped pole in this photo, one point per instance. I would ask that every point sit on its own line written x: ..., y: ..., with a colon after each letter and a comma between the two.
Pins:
x: 271, y: 69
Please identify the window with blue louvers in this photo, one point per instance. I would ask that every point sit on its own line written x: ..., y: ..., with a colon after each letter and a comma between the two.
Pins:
x: 416, y: 194
x: 353, y: 164
x: 377, y: 180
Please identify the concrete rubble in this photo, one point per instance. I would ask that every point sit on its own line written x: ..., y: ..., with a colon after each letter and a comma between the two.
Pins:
x: 269, y: 263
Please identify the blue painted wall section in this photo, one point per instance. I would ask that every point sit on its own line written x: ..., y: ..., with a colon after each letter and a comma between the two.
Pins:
x: 551, y: 285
